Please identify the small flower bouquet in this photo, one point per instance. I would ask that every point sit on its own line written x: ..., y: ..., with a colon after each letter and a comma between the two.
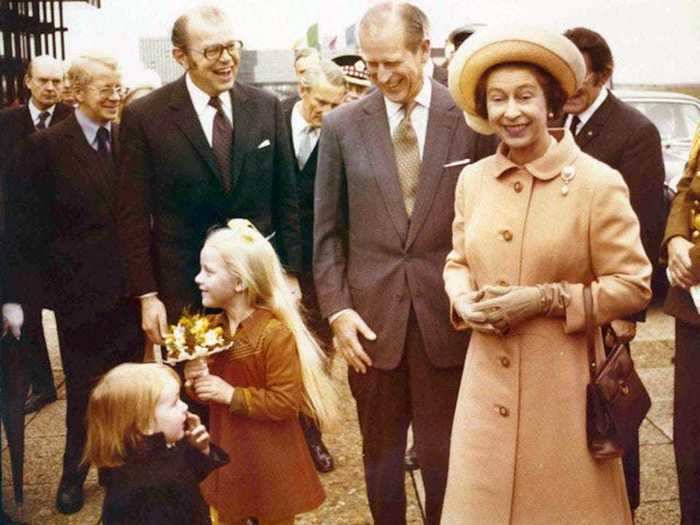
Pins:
x: 194, y: 338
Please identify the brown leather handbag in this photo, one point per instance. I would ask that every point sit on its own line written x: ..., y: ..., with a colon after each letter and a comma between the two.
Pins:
x: 616, y: 400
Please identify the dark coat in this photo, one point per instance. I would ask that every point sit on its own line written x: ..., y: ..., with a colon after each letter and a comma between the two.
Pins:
x: 367, y: 254
x: 159, y: 485
x: 169, y: 173
x: 61, y: 229
x: 305, y: 190
x: 629, y: 142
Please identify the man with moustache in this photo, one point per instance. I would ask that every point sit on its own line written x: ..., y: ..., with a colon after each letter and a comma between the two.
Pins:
x: 62, y: 234
x: 322, y: 87
x: 44, y: 80
x: 616, y: 133
x: 383, y: 215
x: 198, y: 152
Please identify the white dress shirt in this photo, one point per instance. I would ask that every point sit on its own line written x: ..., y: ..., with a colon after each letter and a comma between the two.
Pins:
x: 35, y: 112
x: 586, y: 115
x: 205, y: 112
x: 419, y: 116
x: 90, y: 128
x: 301, y: 133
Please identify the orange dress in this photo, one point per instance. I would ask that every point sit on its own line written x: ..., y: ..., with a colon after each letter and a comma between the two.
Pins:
x: 271, y: 475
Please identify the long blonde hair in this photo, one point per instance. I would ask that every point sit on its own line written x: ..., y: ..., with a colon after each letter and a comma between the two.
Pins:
x: 252, y: 258
x: 121, y: 410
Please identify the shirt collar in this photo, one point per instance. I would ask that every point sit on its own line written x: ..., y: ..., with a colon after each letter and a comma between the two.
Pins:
x: 90, y: 127
x: 298, y: 121
x: 200, y: 99
x: 562, y: 151
x: 35, y: 111
x: 422, y: 99
x: 585, y: 116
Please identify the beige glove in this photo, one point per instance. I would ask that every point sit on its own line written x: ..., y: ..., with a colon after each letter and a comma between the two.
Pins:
x: 504, y: 307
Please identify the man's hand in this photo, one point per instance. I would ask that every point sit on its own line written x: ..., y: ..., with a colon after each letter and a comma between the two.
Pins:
x: 345, y: 339
x: 154, y: 320
x: 624, y: 332
x: 12, y: 319
x: 211, y: 388
x: 679, y: 263
x: 294, y: 288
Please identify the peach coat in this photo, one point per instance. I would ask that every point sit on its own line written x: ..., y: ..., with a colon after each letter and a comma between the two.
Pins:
x: 518, y: 453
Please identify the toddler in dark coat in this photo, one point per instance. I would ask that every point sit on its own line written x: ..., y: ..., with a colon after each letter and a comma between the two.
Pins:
x: 151, y: 451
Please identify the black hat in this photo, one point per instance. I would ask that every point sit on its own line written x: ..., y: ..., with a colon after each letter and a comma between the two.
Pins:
x: 354, y: 69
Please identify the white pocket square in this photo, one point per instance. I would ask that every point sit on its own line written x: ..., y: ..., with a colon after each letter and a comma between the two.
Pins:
x: 265, y: 143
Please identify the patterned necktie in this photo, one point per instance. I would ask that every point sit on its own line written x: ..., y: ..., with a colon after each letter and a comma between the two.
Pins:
x: 222, y: 139
x: 407, y: 158
x: 306, y: 146
x: 42, y: 119
x: 573, y: 126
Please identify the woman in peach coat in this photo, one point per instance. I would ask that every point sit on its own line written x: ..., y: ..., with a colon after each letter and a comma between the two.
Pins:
x: 534, y: 225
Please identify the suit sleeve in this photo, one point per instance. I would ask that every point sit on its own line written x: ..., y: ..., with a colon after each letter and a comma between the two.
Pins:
x: 28, y: 221
x: 330, y: 225
x: 286, y: 203
x: 134, y: 205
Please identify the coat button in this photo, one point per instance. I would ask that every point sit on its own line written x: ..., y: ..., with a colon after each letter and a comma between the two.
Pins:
x: 518, y: 187
x: 505, y: 362
x: 503, y: 411
x: 507, y: 235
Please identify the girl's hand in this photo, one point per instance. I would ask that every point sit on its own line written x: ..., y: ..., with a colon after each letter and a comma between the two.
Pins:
x: 197, y: 434
x: 194, y: 369
x: 212, y: 388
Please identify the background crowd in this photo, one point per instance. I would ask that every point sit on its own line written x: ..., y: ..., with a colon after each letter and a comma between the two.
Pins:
x: 454, y: 294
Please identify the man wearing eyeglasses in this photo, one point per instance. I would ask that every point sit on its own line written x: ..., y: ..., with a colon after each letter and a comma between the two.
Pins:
x: 61, y: 233
x: 44, y: 80
x: 614, y: 132
x: 197, y: 152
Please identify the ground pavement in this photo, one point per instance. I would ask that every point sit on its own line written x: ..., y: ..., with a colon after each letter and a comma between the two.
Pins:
x: 346, y: 503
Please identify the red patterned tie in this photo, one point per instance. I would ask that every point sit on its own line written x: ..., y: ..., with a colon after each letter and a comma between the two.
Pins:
x: 222, y: 139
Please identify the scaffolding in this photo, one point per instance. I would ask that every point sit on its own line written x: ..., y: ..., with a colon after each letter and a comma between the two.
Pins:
x: 29, y: 28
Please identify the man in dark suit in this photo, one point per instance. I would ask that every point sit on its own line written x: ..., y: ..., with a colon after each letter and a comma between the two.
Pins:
x: 322, y: 88
x: 197, y: 152
x: 619, y: 135
x: 44, y: 80
x: 62, y: 234
x: 383, y: 214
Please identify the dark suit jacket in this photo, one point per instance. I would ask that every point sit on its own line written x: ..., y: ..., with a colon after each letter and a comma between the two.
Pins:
x: 61, y: 228
x: 679, y: 303
x: 627, y: 141
x: 169, y: 173
x: 305, y: 190
x: 367, y: 254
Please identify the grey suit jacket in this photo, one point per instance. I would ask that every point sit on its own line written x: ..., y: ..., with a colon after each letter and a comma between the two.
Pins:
x: 368, y: 255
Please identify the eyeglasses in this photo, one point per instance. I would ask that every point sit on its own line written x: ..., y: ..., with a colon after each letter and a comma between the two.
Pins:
x: 214, y: 52
x: 108, y: 91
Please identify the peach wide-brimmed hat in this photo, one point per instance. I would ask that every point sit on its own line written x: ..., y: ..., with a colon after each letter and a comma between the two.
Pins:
x: 495, y: 45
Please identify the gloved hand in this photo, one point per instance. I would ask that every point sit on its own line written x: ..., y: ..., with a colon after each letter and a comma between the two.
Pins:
x: 12, y: 319
x: 504, y: 307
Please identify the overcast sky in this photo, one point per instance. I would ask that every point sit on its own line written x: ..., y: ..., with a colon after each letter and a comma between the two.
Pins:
x: 653, y: 41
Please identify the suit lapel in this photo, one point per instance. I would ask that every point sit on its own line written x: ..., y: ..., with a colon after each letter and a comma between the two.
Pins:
x: 89, y: 169
x: 27, y: 122
x: 243, y: 124
x: 380, y: 149
x: 438, y: 137
x: 187, y: 120
x: 596, y: 123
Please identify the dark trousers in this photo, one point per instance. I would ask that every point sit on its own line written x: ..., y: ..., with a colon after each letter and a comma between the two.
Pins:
x: 88, y: 352
x: 388, y: 401
x: 686, y: 419
x: 40, y: 375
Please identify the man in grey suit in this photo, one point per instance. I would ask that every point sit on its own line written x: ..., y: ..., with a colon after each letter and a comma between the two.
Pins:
x: 383, y: 212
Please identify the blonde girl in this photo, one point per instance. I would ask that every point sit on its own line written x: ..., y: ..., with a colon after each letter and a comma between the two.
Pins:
x: 256, y: 390
x: 152, y: 453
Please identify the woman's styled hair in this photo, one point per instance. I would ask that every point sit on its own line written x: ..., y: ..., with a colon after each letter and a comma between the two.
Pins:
x: 554, y: 95
x: 248, y: 255
x: 121, y: 410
